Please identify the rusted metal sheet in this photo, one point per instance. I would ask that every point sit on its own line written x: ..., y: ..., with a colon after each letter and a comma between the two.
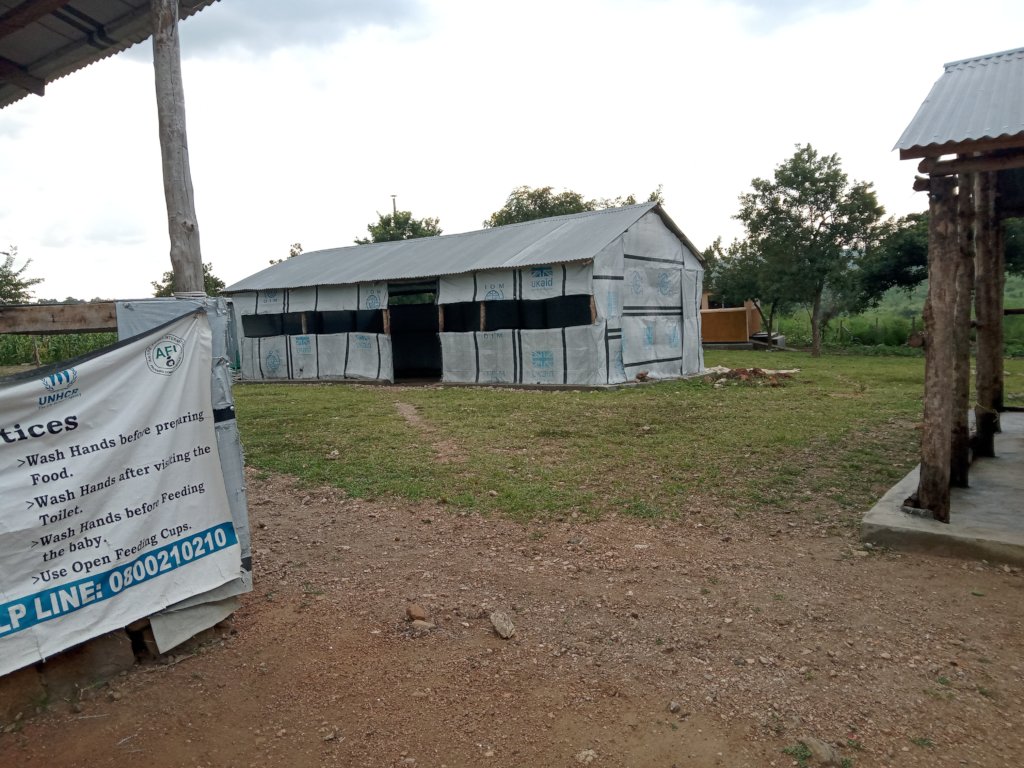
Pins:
x: 41, y: 319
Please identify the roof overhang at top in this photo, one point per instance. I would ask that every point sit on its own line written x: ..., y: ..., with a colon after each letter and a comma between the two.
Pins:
x: 558, y: 240
x: 44, y: 40
x: 976, y: 106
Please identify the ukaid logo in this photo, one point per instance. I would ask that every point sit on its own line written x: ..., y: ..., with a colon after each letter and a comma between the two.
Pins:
x: 543, y: 358
x: 60, y: 386
x: 165, y: 355
x: 649, y: 335
x: 543, y: 362
x: 673, y: 335
x: 542, y: 277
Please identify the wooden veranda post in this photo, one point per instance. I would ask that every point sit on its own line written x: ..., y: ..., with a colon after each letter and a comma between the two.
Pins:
x: 989, y: 312
x: 939, y: 309
x: 960, y: 447
x: 186, y: 256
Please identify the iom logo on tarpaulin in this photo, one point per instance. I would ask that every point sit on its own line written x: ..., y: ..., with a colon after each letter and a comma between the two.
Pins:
x: 164, y: 356
x: 61, y: 386
x: 373, y: 301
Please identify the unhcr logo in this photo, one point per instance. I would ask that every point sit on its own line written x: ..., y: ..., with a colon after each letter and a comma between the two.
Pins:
x: 165, y: 355
x: 60, y: 380
x: 60, y: 386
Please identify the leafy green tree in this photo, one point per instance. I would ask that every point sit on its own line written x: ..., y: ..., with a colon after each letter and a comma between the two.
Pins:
x: 528, y: 203
x: 738, y: 274
x: 15, y: 288
x: 811, y: 226
x: 399, y: 225
x: 900, y: 259
x: 211, y: 283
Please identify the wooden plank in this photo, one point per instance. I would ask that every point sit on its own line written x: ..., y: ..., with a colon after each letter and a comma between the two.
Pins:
x: 933, y: 488
x: 23, y: 14
x: 988, y: 309
x: 186, y: 255
x: 483, y: 316
x: 960, y: 437
x: 387, y: 321
x: 16, y: 74
x: 963, y: 147
x: 38, y: 319
x: 1003, y: 162
x: 593, y: 309
x: 440, y: 318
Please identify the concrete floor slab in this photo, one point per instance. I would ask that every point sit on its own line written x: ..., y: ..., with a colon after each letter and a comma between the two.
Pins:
x: 986, y: 521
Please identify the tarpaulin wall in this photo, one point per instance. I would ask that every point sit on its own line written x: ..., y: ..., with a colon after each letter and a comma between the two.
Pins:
x: 366, y: 356
x: 318, y: 356
x: 647, y: 290
x: 558, y: 356
x: 183, y: 620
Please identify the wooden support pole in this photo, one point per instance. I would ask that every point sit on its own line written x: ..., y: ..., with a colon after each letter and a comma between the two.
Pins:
x: 387, y: 322
x: 186, y: 256
x: 960, y: 439
x: 440, y: 318
x: 989, y: 269
x: 483, y: 316
x: 933, y: 488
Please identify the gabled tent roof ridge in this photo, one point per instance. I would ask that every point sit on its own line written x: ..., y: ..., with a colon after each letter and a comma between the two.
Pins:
x: 564, y: 216
x: 564, y: 239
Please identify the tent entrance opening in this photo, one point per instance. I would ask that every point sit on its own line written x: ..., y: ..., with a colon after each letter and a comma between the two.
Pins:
x: 415, y: 344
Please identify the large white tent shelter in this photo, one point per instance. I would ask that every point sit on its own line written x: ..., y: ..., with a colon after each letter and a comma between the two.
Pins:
x: 591, y: 298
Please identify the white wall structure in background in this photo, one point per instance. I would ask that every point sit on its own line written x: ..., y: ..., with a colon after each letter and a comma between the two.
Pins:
x: 587, y: 299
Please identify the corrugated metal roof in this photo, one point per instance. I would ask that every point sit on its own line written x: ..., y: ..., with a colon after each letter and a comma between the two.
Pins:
x: 975, y: 99
x: 44, y: 40
x: 557, y: 240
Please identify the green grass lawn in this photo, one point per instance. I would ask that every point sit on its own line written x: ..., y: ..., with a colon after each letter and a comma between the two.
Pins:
x: 826, y: 444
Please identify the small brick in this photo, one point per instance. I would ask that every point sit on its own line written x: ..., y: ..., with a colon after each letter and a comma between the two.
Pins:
x: 86, y: 665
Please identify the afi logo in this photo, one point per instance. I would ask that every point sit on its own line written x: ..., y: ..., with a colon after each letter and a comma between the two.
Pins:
x: 165, y: 355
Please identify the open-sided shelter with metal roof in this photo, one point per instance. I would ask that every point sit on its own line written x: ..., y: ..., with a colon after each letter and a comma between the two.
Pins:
x: 969, y: 133
x: 586, y: 299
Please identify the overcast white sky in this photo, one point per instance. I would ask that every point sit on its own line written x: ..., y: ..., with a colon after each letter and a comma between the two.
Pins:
x: 304, y: 117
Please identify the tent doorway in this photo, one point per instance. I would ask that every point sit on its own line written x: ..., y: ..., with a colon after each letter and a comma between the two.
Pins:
x: 415, y: 344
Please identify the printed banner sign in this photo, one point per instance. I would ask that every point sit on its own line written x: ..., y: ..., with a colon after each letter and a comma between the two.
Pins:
x: 113, y: 501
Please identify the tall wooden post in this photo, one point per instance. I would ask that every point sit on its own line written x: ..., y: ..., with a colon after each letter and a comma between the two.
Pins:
x: 960, y: 445
x: 989, y: 271
x: 943, y: 249
x: 186, y: 257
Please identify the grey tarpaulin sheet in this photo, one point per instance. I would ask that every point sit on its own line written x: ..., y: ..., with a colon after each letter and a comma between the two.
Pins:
x: 133, y: 317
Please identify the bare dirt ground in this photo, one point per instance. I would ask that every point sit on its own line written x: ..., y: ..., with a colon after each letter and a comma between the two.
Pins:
x: 637, y: 644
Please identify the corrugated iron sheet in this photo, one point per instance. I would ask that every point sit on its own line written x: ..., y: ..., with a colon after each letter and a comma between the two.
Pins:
x: 76, y: 35
x: 557, y: 240
x: 979, y: 98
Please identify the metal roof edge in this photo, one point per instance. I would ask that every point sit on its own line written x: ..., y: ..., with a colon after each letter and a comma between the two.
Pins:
x: 968, y: 60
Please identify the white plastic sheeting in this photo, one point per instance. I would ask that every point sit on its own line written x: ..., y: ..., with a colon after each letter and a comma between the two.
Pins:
x: 528, y: 283
x: 318, y: 356
x: 318, y: 298
x: 573, y: 355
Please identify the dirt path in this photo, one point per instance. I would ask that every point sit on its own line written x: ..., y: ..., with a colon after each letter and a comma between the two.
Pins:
x: 756, y: 634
